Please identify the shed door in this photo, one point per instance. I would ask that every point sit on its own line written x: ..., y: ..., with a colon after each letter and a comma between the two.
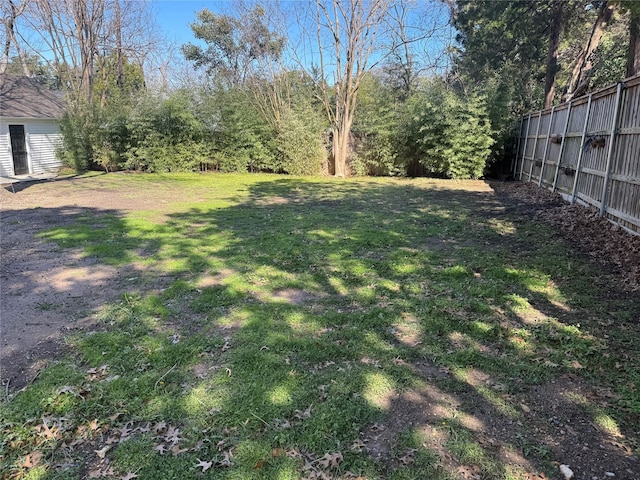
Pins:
x: 19, y: 149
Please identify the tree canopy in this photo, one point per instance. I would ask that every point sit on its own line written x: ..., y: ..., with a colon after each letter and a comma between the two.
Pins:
x: 350, y: 87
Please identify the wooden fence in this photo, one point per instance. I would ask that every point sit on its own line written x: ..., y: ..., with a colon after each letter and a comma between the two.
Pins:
x: 588, y: 150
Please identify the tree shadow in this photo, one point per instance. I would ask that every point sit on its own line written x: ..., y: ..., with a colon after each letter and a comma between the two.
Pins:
x: 417, y: 331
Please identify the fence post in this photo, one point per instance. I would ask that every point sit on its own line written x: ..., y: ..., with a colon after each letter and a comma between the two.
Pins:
x: 546, y: 146
x: 612, y: 139
x: 579, y: 164
x: 524, y: 150
x: 562, y: 143
x: 535, y: 145
x: 514, y: 162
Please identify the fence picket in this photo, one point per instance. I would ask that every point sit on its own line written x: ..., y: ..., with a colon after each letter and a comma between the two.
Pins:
x: 607, y: 179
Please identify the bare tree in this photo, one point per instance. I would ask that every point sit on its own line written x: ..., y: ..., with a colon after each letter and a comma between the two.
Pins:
x: 346, y: 35
x: 74, y: 34
x: 10, y: 13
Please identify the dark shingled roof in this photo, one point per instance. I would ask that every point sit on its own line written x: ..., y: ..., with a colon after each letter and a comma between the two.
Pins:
x: 24, y: 97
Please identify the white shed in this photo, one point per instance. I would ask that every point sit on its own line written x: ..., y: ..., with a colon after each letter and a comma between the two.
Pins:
x: 29, y: 127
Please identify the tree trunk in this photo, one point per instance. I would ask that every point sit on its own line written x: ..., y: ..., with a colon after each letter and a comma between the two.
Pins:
x: 341, y: 136
x: 552, y: 57
x: 120, y: 60
x: 633, y: 54
x: 579, y: 80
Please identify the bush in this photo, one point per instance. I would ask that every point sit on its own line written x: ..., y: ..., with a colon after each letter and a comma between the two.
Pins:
x: 299, y: 142
x: 76, y: 148
x: 446, y: 132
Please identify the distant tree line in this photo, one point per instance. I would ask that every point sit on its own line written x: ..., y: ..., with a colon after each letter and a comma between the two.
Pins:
x: 362, y: 87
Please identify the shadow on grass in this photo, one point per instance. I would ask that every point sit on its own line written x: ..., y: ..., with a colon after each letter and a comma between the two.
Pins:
x: 418, y: 332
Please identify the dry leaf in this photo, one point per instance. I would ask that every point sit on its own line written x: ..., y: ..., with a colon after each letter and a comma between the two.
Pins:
x: 302, y: 415
x: 331, y: 460
x: 278, y: 452
x: 144, y: 429
x: 129, y: 476
x: 32, y: 459
x: 173, y: 435
x: 408, y: 457
x: 205, y: 465
x: 281, y: 424
x: 159, y: 427
x: 160, y: 448
x: 259, y: 465
x: 95, y: 474
x: 226, y: 461
x: 176, y: 450
x: 357, y: 445
x: 67, y: 389
x: 103, y: 451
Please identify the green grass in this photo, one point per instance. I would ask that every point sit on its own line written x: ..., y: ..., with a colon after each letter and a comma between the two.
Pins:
x: 291, y: 322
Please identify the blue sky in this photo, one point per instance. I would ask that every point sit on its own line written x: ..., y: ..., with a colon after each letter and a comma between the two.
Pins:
x: 175, y: 16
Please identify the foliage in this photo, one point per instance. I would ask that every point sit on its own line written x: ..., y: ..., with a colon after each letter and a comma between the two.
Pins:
x: 299, y: 141
x: 447, y: 132
x: 78, y: 133
x: 375, y: 130
x: 610, y: 58
x: 166, y: 136
x: 233, y: 44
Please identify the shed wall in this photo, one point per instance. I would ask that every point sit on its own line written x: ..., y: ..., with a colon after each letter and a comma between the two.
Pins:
x: 42, y: 137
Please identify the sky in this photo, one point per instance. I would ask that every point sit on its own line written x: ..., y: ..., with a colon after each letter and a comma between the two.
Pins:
x: 175, y: 16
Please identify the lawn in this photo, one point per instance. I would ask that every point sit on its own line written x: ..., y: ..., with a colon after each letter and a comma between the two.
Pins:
x: 287, y: 328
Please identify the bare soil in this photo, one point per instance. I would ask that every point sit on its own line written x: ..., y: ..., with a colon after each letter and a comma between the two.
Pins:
x: 47, y: 292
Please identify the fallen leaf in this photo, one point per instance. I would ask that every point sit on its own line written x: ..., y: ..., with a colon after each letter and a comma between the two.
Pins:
x: 95, y: 474
x: 278, y: 452
x: 67, y: 389
x: 160, y: 448
x: 103, y: 451
x: 221, y: 444
x: 159, y: 427
x: 226, y: 461
x: 331, y: 460
x: 408, y: 457
x: 357, y: 445
x: 32, y: 459
x: 144, y: 429
x: 205, y: 465
x: 129, y: 476
x: 281, y: 424
x: 302, y: 415
x: 176, y: 450
x: 115, y: 416
x: 173, y: 435
x: 259, y: 465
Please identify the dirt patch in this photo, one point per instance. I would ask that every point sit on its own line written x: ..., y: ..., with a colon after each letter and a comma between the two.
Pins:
x: 611, y: 246
x: 565, y: 417
x: 48, y: 292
